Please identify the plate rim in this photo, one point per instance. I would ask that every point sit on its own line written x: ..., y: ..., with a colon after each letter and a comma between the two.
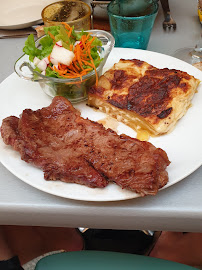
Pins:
x: 24, y: 24
x: 21, y: 25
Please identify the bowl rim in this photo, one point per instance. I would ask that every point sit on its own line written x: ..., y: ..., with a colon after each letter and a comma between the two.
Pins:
x: 69, y: 22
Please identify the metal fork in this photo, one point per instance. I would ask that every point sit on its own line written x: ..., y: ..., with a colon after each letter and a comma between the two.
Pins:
x: 168, y: 23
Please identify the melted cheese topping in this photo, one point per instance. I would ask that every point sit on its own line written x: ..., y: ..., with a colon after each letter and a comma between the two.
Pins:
x: 148, y: 99
x: 143, y: 129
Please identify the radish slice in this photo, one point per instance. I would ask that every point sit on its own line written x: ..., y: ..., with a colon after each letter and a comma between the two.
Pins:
x: 61, y: 55
x: 36, y: 61
x: 42, y: 65
x: 59, y: 43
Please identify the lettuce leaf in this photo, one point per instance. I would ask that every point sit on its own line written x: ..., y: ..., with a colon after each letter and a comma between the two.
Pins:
x: 52, y: 73
x: 52, y: 29
x: 97, y: 42
x: 78, y: 35
x: 30, y: 48
x: 63, y: 36
x: 47, y: 46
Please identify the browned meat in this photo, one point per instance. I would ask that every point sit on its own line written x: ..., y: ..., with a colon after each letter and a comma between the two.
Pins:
x: 72, y: 149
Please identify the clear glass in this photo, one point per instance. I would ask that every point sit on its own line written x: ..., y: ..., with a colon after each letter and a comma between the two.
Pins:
x: 75, y: 13
x: 73, y: 89
x: 191, y: 55
x: 131, y: 22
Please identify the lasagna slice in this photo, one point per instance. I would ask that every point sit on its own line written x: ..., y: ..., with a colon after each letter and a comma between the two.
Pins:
x: 148, y: 99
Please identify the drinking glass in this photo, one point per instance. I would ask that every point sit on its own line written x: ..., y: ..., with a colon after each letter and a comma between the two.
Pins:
x: 75, y: 13
x: 191, y: 55
x: 131, y: 22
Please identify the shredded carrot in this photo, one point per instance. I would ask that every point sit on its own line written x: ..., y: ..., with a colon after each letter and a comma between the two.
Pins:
x: 73, y: 68
x: 62, y: 69
x: 71, y: 47
x: 76, y: 66
x: 83, y: 40
x: 51, y: 35
x: 78, y: 55
x: 91, y: 41
x: 70, y: 32
x: 87, y: 63
x: 82, y: 62
x: 66, y: 25
x: 62, y: 66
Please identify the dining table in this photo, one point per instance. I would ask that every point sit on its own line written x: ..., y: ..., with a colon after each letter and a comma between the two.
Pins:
x: 176, y: 208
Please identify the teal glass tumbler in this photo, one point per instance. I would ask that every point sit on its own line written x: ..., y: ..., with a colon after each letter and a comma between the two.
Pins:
x: 131, y: 22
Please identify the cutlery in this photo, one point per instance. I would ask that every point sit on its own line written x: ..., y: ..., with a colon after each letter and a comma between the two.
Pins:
x: 169, y: 22
x: 16, y: 33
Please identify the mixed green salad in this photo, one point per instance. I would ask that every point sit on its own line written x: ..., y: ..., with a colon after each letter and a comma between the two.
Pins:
x: 64, y: 53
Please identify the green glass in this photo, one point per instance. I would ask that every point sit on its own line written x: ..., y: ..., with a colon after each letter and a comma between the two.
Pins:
x: 131, y: 22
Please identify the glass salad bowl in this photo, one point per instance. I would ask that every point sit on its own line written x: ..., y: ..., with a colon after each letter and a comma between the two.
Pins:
x: 74, y: 89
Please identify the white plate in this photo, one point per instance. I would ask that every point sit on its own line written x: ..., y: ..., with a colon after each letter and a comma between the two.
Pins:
x: 18, y: 14
x: 183, y: 145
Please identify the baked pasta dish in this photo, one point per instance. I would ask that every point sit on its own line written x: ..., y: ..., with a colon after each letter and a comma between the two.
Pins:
x: 148, y: 99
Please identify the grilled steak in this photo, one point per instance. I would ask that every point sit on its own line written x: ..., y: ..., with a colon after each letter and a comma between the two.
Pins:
x: 70, y: 148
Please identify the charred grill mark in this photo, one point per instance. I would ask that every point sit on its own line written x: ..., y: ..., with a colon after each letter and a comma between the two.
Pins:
x: 137, y: 62
x: 120, y: 77
x: 96, y: 90
x: 119, y: 101
x: 151, y: 94
x: 184, y: 87
x: 165, y: 113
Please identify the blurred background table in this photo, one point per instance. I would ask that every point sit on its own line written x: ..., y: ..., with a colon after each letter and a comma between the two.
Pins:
x: 177, y: 208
